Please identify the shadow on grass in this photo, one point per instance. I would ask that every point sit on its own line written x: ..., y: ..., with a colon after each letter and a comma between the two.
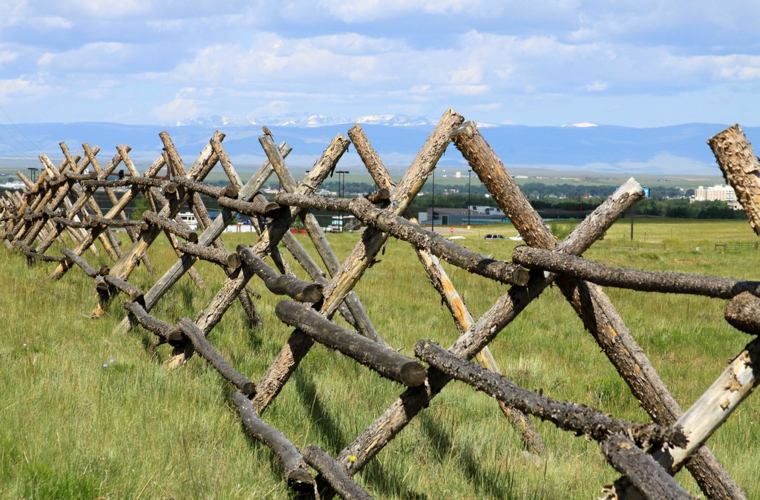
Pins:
x: 485, y: 482
x: 382, y: 481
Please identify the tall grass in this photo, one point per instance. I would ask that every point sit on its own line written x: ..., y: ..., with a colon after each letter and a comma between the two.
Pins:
x: 85, y: 413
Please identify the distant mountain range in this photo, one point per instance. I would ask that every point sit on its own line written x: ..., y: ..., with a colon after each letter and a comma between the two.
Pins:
x: 581, y: 148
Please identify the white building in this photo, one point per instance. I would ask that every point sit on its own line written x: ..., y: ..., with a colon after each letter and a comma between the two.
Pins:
x: 717, y: 192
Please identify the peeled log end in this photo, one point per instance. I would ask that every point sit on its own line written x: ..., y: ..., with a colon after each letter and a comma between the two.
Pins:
x: 743, y: 313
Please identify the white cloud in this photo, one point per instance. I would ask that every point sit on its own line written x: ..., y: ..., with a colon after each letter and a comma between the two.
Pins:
x: 370, y: 10
x: 176, y: 111
x: 19, y: 87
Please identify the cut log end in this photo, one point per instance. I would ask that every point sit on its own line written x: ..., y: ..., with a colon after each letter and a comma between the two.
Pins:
x: 743, y: 313
x: 192, y: 237
x: 310, y: 294
x: 413, y: 374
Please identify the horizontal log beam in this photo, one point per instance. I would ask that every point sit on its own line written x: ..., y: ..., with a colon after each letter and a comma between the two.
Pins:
x: 567, y: 416
x: 81, y: 262
x: 171, y: 226
x: 165, y: 331
x: 259, y: 205
x: 332, y: 472
x: 634, y: 279
x: 280, y: 284
x: 398, y: 227
x: 382, y: 359
x: 228, y: 260
x: 646, y: 475
x: 207, y: 352
x: 295, y: 470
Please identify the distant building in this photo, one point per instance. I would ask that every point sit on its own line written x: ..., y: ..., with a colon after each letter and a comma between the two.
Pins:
x: 717, y: 192
x: 458, y: 216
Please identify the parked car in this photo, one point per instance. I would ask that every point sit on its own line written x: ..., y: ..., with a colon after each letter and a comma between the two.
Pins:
x: 493, y: 237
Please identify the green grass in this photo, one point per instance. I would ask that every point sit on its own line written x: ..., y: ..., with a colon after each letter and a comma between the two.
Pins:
x: 71, y: 428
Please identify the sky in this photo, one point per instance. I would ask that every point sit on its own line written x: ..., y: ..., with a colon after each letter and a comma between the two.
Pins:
x: 635, y: 63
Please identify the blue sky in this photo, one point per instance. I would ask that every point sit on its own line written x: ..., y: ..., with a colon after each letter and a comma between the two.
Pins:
x: 637, y: 63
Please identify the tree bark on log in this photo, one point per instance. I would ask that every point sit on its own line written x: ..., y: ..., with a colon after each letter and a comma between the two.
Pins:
x: 396, y: 417
x: 464, y: 321
x: 599, y: 316
x: 634, y: 279
x: 397, y: 226
x: 116, y: 209
x: 565, y: 415
x: 317, y: 236
x: 740, y: 168
x: 646, y: 475
x: 170, y: 226
x: 165, y: 331
x: 280, y: 284
x: 361, y: 257
x: 743, y: 313
x: 180, y: 267
x: 295, y: 470
x: 379, y: 358
x: 334, y: 474
x: 207, y: 352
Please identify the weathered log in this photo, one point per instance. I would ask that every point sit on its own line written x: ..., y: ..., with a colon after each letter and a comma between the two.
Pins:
x: 397, y: 226
x: 32, y: 255
x: 232, y: 175
x: 743, y: 313
x: 334, y: 474
x: 593, y: 306
x: 180, y: 267
x: 259, y: 205
x: 165, y: 331
x: 740, y: 168
x: 295, y: 469
x: 382, y: 359
x: 280, y: 284
x: 634, y: 279
x: 280, y: 225
x: 704, y: 417
x: 361, y: 257
x: 81, y: 262
x: 464, y: 321
x: 396, y: 417
x: 207, y: 352
x: 646, y: 475
x: 116, y: 209
x: 96, y: 220
x: 565, y: 415
x: 227, y: 260
x: 170, y: 226
x: 317, y: 237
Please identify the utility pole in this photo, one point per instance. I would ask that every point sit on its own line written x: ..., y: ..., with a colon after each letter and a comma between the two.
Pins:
x: 469, y: 175
x: 341, y: 182
x: 432, y: 206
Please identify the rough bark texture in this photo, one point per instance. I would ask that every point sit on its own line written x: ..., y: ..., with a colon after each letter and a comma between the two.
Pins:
x: 207, y: 352
x: 505, y: 309
x: 295, y: 470
x: 646, y: 281
x: 740, y: 168
x: 380, y: 358
x: 464, y: 321
x: 317, y: 236
x: 334, y: 474
x: 397, y: 226
x: 280, y: 284
x: 599, y: 316
x: 170, y: 226
x: 743, y: 313
x: 646, y: 475
x: 565, y: 415
x: 361, y: 257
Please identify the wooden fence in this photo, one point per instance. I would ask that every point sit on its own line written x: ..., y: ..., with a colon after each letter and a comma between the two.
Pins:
x: 60, y: 208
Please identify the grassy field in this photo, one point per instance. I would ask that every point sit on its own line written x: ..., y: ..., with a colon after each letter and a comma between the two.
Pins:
x: 85, y: 413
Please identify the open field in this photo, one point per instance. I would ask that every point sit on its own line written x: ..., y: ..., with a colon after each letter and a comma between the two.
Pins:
x: 70, y: 427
